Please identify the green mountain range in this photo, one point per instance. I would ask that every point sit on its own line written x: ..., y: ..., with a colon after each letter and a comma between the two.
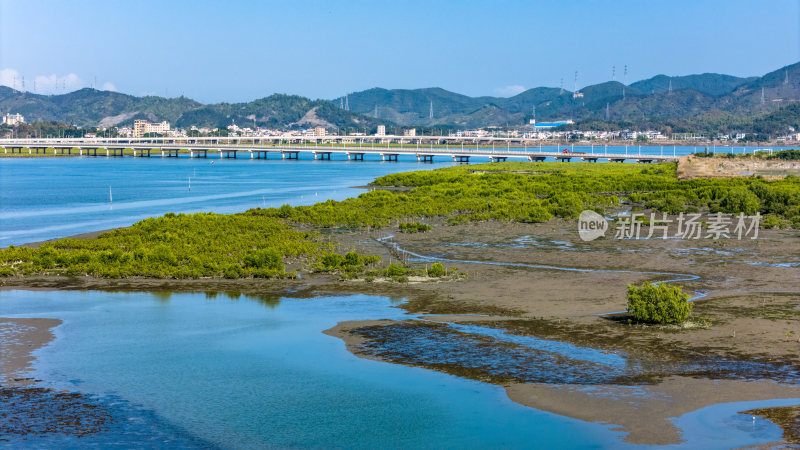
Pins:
x: 690, y: 96
x: 683, y: 102
x: 90, y: 107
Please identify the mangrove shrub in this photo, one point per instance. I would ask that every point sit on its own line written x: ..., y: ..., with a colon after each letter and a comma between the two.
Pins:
x: 658, y: 303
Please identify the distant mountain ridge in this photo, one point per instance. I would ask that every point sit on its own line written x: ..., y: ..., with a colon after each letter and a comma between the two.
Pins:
x: 90, y: 107
x: 651, y: 98
x: 691, y: 97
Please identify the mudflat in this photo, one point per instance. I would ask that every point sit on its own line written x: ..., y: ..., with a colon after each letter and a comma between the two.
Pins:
x: 19, y: 338
x: 543, y: 281
x: 692, y: 166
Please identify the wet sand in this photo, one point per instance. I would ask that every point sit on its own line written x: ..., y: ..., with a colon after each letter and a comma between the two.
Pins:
x: 19, y: 338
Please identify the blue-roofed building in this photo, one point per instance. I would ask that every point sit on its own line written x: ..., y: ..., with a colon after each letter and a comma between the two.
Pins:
x: 547, y: 125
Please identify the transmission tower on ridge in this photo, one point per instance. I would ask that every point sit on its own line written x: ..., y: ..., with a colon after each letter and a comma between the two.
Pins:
x: 430, y: 111
x: 786, y: 76
x: 624, y: 80
x: 346, y: 103
x: 762, y: 96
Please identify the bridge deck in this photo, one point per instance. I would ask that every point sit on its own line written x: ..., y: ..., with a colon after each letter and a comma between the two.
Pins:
x: 351, y: 151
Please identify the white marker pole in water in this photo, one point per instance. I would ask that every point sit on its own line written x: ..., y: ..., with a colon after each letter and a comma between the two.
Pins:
x: 110, y: 197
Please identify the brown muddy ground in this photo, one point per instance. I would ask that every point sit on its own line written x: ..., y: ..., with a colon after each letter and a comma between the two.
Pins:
x: 749, y: 313
x: 720, y: 167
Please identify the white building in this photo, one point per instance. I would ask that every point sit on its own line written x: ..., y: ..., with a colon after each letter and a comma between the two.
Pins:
x: 320, y: 131
x: 142, y: 127
x: 381, y: 130
x: 13, y: 119
x: 411, y: 132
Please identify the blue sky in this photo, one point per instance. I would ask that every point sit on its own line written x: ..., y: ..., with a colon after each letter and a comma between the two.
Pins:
x: 239, y: 51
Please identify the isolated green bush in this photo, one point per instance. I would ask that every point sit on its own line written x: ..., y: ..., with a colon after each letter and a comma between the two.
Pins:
x: 436, y: 270
x: 658, y: 303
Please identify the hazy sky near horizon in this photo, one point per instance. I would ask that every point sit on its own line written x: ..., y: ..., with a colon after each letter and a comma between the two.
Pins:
x: 242, y: 50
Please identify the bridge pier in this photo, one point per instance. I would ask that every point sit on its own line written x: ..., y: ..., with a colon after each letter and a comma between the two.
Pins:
x: 259, y: 154
x: 425, y: 158
x: 646, y: 160
x: 461, y: 158
x: 355, y: 156
x: 198, y: 151
x: 589, y: 159
x: 532, y: 158
x: 499, y: 158
x: 37, y: 148
x: 323, y: 155
x: 617, y: 160
x: 564, y: 158
x: 290, y: 155
x: 224, y: 153
x: 170, y: 153
x: 389, y: 156
x: 142, y: 152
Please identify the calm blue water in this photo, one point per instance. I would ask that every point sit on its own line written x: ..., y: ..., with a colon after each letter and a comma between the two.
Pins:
x: 240, y: 373
x: 244, y: 373
x: 46, y: 198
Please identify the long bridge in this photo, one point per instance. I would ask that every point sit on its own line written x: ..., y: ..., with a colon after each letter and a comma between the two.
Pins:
x: 389, y: 148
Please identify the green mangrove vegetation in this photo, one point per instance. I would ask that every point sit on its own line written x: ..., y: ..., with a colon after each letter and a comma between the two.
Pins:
x: 414, y: 227
x: 262, y: 242
x: 538, y: 192
x: 658, y: 303
x: 182, y: 246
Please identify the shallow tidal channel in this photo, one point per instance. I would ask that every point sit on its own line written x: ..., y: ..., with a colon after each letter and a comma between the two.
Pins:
x: 230, y: 371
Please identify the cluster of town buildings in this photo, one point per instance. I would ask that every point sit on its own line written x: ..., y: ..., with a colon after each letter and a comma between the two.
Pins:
x: 535, y: 131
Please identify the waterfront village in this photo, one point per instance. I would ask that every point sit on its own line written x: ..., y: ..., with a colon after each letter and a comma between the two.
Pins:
x: 535, y: 131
